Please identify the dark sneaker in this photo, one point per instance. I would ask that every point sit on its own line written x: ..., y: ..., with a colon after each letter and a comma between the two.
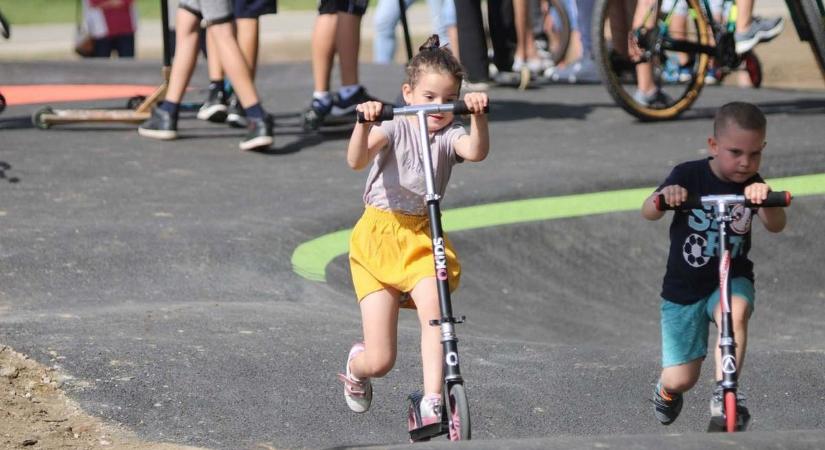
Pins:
x: 214, y: 108
x: 666, y: 410
x: 236, y: 116
x: 658, y: 99
x: 743, y: 416
x: 315, y: 114
x: 357, y: 392
x: 259, y: 133
x: 160, y: 125
x: 344, y: 107
x: 761, y: 30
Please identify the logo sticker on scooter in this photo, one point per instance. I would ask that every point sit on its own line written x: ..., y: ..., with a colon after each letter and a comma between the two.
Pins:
x: 451, y: 359
x: 440, y: 259
x: 729, y: 364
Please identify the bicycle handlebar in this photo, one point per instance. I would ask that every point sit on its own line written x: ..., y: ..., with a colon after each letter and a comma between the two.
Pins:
x: 775, y: 199
x: 388, y: 111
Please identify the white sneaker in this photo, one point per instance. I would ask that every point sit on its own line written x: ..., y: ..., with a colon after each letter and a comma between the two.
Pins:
x: 357, y: 392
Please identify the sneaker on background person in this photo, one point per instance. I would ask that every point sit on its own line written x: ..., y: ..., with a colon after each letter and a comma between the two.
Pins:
x: 214, y: 108
x: 761, y: 29
x: 161, y: 124
x: 235, y: 115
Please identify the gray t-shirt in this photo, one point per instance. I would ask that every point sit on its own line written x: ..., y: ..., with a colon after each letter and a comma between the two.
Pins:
x: 396, y: 179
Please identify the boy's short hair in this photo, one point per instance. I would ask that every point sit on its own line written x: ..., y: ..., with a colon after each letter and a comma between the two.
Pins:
x: 746, y: 115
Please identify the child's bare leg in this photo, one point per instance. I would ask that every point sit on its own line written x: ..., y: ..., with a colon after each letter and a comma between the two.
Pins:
x: 379, y: 314
x: 349, y: 41
x: 213, y: 62
x: 740, y: 313
x: 247, y: 32
x: 678, y: 379
x: 186, y: 43
x: 644, y: 15
x: 234, y: 63
x: 425, y: 295
x: 323, y: 50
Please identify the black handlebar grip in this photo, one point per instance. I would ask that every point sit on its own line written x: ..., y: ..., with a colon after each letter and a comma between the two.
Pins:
x: 460, y: 108
x: 692, y: 202
x: 386, y: 114
x: 775, y: 199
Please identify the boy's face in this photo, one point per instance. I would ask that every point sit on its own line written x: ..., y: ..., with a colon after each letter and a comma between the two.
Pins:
x: 736, y: 152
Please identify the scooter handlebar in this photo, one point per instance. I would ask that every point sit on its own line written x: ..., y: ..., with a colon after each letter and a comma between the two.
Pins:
x: 388, y: 112
x: 774, y: 199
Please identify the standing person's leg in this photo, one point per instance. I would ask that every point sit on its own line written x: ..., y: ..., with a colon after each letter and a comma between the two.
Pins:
x: 386, y: 17
x: 125, y: 45
x: 163, y: 123
x: 348, y: 43
x: 583, y: 70
x: 102, y: 48
x: 214, y: 109
x: 472, y: 40
x: 323, y: 54
x: 247, y: 29
x: 501, y: 20
x: 752, y: 30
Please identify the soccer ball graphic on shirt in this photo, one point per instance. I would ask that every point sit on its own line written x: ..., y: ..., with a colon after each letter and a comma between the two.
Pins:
x: 694, y: 250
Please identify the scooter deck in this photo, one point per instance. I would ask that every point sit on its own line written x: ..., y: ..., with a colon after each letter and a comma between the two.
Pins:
x: 428, y: 431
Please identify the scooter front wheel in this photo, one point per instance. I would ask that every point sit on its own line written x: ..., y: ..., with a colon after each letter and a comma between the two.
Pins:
x: 730, y: 411
x: 458, y: 411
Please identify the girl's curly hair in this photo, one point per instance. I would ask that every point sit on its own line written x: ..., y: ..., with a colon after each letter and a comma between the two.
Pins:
x: 433, y: 57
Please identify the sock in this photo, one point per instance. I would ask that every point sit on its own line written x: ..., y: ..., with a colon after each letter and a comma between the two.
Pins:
x: 255, y: 111
x: 665, y: 394
x: 324, y: 96
x: 216, y: 85
x: 348, y: 91
x: 171, y: 108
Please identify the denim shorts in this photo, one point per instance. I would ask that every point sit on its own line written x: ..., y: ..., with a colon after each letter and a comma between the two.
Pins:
x: 355, y: 7
x: 685, y: 327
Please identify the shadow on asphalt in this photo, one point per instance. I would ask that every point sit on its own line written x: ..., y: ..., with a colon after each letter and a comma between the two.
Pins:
x: 4, y: 167
x: 797, y: 107
x: 515, y: 110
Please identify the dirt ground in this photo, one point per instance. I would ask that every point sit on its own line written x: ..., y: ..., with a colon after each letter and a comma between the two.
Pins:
x: 35, y: 413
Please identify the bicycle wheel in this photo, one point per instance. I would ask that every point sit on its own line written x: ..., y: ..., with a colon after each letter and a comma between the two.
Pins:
x: 559, y: 31
x: 815, y: 16
x: 458, y: 419
x: 678, y: 75
x: 730, y: 411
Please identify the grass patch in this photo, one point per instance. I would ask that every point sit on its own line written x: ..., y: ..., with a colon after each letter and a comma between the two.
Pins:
x: 30, y: 12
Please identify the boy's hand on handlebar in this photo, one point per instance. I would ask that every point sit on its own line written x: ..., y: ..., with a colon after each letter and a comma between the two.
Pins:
x: 757, y: 192
x: 476, y: 102
x: 674, y: 194
x: 371, y: 110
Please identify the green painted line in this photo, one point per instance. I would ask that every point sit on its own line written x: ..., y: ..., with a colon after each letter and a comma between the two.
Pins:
x: 310, y: 259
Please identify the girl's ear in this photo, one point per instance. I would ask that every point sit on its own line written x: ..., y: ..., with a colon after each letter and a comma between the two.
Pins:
x: 406, y: 91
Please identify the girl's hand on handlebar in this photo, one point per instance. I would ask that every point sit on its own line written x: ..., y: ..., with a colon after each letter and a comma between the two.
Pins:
x: 674, y: 194
x: 371, y: 110
x: 476, y: 102
x: 757, y: 192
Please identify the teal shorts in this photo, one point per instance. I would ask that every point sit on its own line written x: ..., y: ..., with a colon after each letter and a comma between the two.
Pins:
x: 685, y: 327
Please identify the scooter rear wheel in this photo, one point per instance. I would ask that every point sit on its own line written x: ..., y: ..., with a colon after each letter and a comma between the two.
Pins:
x: 730, y: 411
x: 458, y: 413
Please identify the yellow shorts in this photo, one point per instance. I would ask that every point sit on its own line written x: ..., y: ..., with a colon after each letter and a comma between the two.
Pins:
x: 389, y: 249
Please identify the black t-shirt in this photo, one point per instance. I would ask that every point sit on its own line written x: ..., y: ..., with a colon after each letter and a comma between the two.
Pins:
x: 693, y: 263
